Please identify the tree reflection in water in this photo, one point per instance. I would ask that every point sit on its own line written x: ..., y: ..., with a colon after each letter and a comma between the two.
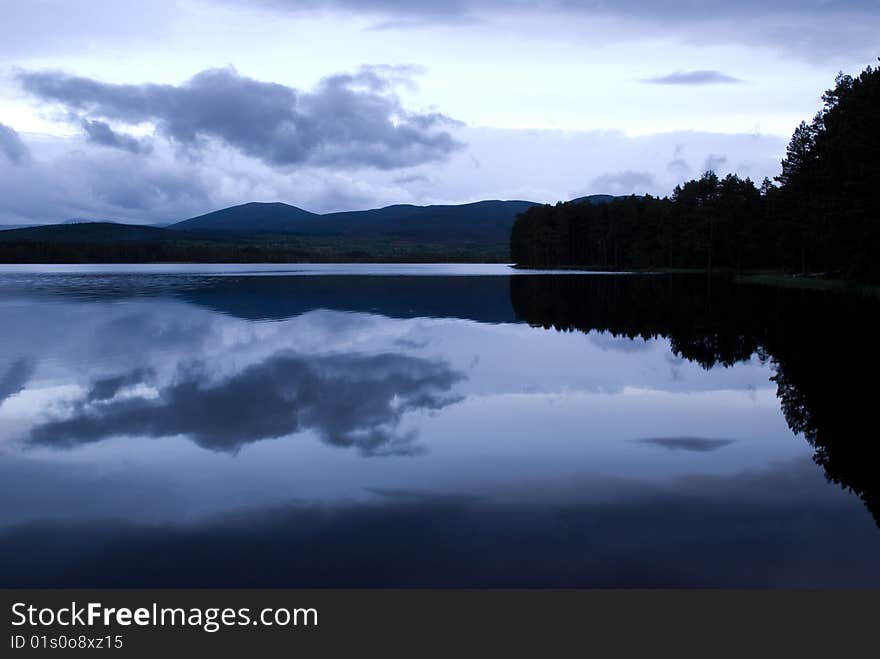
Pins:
x: 821, y: 345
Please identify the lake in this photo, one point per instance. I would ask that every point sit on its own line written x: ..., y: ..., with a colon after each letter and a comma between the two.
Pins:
x: 432, y: 425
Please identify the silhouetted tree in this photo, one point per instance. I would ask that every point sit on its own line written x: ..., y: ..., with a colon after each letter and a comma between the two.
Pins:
x: 823, y: 217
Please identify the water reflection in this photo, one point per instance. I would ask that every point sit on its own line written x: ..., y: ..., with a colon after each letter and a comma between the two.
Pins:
x: 16, y: 377
x: 701, y: 533
x: 174, y: 430
x: 274, y: 297
x: 698, y: 444
x: 814, y: 340
x: 349, y: 399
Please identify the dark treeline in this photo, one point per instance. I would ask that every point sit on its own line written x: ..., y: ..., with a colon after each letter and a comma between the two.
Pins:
x: 35, y: 251
x: 252, y: 251
x: 813, y: 339
x: 822, y: 214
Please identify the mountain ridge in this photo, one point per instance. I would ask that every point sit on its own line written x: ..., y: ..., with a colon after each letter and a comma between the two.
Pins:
x: 279, y: 232
x: 258, y: 217
x: 481, y: 220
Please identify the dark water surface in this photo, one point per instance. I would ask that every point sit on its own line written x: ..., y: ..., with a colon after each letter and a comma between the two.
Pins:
x: 432, y: 426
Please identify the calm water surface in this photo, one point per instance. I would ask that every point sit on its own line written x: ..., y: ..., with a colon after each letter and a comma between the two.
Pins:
x: 431, y: 426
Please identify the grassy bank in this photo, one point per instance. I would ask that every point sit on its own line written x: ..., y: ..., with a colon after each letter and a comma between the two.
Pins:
x: 755, y: 277
x: 812, y: 283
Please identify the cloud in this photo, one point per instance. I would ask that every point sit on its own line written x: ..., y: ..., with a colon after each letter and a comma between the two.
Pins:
x: 436, y: 10
x: 12, y: 147
x: 677, y: 9
x: 626, y: 182
x: 694, y: 444
x: 714, y: 162
x: 348, y: 120
x: 348, y: 400
x: 678, y: 166
x: 70, y: 177
x: 408, y: 179
x: 15, y: 378
x: 99, y: 132
x: 693, y: 78
x: 104, y: 389
x: 38, y: 29
x: 846, y: 26
x: 625, y: 344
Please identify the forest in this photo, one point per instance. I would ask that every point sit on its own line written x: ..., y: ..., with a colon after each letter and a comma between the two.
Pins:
x: 820, y: 215
x: 184, y: 247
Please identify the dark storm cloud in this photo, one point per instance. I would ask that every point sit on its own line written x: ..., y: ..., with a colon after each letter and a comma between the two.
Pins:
x: 626, y: 182
x: 693, y: 78
x: 12, y: 147
x: 348, y: 400
x: 99, y: 132
x: 696, y: 444
x: 348, y: 120
x: 15, y: 378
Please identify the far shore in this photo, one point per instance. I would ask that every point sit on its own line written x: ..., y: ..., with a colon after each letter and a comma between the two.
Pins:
x: 808, y: 281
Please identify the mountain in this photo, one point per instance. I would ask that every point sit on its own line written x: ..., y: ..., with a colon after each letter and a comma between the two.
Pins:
x: 7, y: 227
x: 76, y: 220
x: 489, y: 221
x: 252, y: 218
x: 280, y: 233
x: 483, y: 221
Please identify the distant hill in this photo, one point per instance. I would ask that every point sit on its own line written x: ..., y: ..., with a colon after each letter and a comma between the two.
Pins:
x: 483, y: 221
x: 6, y: 227
x: 88, y: 232
x: 250, y: 218
x: 75, y: 220
x: 277, y: 232
x: 594, y: 199
x: 486, y: 221
x: 82, y: 220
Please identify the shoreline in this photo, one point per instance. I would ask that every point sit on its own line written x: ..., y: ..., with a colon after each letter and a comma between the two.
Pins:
x: 813, y: 282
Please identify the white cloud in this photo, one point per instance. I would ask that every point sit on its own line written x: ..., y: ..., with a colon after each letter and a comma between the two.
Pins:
x: 68, y: 177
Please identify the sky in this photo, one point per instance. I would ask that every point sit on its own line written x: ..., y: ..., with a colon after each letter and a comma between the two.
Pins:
x: 155, y: 112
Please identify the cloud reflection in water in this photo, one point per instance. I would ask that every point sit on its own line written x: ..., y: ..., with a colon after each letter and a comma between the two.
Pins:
x: 350, y: 400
